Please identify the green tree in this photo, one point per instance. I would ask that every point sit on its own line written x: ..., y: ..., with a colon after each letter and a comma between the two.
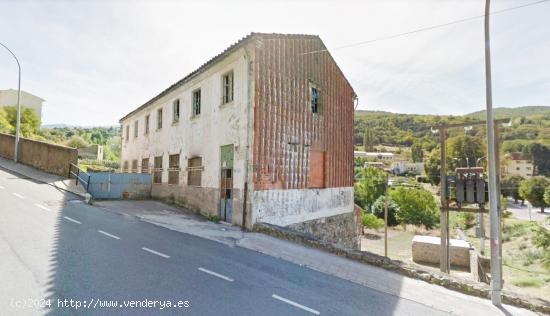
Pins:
x: 547, y: 195
x: 368, y: 140
x: 369, y: 220
x: 5, y: 124
x: 417, y: 152
x: 533, y: 190
x: 416, y: 206
x: 371, y: 186
x: 432, y: 166
x: 29, y: 124
x: 378, y: 209
x: 540, y: 155
x: 466, y: 148
x: 77, y: 142
x: 510, y: 188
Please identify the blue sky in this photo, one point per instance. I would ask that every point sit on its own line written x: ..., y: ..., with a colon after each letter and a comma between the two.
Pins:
x: 94, y: 61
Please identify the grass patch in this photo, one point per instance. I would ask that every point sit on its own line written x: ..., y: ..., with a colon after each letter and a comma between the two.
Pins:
x: 527, y: 282
x: 214, y: 218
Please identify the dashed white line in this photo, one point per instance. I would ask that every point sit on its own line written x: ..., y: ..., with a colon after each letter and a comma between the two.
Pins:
x: 42, y: 207
x: 71, y: 220
x: 107, y: 234
x: 2, y: 188
x: 221, y: 276
x: 156, y: 252
x: 18, y: 195
x: 282, y: 299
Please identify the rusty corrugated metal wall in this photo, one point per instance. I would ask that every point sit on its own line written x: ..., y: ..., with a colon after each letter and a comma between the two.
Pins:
x: 286, y: 131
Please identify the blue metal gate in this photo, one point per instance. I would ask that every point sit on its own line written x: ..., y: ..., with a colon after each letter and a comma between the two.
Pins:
x: 120, y: 185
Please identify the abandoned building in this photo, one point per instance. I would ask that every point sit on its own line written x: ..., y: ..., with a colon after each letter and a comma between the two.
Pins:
x: 263, y: 132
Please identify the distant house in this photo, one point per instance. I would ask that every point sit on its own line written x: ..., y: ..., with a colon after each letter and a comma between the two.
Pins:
x: 9, y: 98
x: 402, y: 167
x: 373, y: 156
x: 263, y: 132
x: 516, y: 164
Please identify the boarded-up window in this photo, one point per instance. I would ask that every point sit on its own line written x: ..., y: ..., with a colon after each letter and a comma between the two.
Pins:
x: 227, y: 87
x: 145, y: 165
x: 194, y: 171
x: 173, y: 169
x: 316, y: 169
x: 157, y: 170
x: 127, y: 132
x: 135, y: 166
x: 125, y: 166
x: 136, y: 124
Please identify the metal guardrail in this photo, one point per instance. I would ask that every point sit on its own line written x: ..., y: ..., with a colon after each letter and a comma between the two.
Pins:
x: 79, y: 175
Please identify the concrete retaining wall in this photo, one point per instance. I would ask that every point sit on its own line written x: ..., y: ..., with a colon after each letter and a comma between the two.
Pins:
x: 285, y: 207
x: 425, y: 249
x: 40, y: 155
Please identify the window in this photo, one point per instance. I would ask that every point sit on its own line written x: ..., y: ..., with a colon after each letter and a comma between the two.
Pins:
x: 227, y: 87
x: 134, y: 166
x: 145, y: 165
x: 136, y: 129
x: 315, y: 98
x: 196, y: 102
x: 173, y: 169
x: 147, y: 124
x: 194, y: 171
x: 176, y: 111
x: 157, y: 170
x: 159, y: 118
x: 125, y: 166
x: 127, y: 132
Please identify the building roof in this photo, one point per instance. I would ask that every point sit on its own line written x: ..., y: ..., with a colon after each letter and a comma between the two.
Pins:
x: 234, y: 47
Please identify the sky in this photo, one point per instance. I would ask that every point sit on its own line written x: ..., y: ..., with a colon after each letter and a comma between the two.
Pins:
x: 95, y: 61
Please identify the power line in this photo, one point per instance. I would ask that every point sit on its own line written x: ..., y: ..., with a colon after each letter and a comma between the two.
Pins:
x: 427, y: 28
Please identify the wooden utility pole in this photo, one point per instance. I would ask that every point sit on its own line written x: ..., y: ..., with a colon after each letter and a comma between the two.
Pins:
x: 386, y: 215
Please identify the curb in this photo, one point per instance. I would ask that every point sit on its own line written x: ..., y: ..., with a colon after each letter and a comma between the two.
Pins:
x: 412, y: 271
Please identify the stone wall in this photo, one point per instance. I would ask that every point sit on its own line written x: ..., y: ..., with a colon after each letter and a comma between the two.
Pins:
x: 40, y: 155
x: 340, y: 230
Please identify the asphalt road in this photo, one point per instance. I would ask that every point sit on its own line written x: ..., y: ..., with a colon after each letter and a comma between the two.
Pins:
x: 55, y: 249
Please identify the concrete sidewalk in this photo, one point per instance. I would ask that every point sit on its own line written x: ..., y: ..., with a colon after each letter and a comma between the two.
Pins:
x: 65, y: 184
x: 376, y: 278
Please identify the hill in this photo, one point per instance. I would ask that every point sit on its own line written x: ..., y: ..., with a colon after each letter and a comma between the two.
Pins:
x: 526, y: 111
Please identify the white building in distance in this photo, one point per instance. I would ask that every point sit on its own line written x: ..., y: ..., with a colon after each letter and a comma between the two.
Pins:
x: 9, y: 98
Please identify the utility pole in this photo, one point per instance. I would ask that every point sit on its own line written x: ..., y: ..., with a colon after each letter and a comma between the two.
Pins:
x: 494, y: 196
x: 386, y: 215
x: 444, y: 262
x: 18, y: 119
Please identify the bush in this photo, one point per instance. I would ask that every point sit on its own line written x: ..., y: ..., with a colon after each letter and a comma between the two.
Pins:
x: 542, y: 237
x: 371, y: 186
x: 466, y: 220
x: 378, y: 209
x: 369, y: 220
x: 416, y: 207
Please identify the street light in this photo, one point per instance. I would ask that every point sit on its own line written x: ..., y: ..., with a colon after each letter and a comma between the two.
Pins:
x: 18, y: 120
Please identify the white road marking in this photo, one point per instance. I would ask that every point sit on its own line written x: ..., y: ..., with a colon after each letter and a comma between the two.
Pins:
x: 107, y: 234
x: 18, y: 195
x: 71, y: 220
x: 282, y: 299
x: 42, y: 207
x: 2, y: 188
x: 155, y: 252
x: 221, y: 276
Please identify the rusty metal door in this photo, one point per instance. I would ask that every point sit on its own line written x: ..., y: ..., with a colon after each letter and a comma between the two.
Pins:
x: 226, y: 183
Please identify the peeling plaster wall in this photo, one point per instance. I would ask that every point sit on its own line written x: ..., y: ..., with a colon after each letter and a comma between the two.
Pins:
x: 285, y: 207
x: 202, y: 136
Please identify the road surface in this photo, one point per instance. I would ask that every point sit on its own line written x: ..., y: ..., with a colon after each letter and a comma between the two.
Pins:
x: 61, y: 256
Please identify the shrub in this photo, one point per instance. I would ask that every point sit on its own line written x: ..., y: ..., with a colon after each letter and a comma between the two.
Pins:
x: 371, y: 185
x: 378, y: 209
x: 466, y: 220
x: 416, y: 207
x: 542, y: 237
x: 369, y: 220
